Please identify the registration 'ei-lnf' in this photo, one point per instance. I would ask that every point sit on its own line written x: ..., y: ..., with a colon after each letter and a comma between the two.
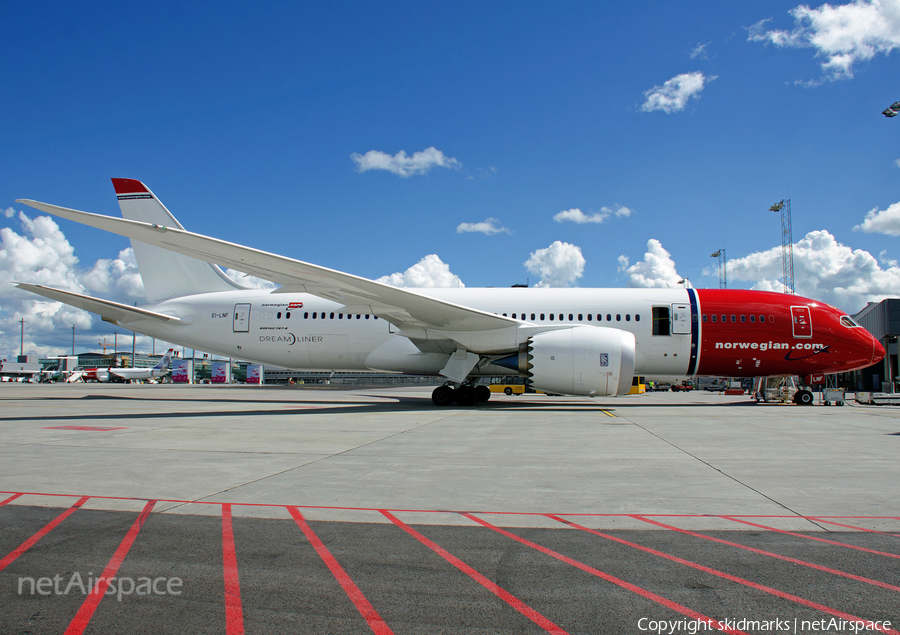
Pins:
x: 568, y: 341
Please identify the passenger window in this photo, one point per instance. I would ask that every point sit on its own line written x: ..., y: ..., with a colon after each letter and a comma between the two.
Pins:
x: 704, y: 317
x: 724, y: 318
x: 542, y: 316
x: 713, y: 317
x: 762, y: 319
x: 570, y: 317
x: 771, y: 319
x: 628, y: 317
x: 306, y: 315
x: 618, y: 317
x: 743, y: 319
x: 532, y: 317
x: 332, y: 316
x: 637, y: 317
x: 551, y: 317
x: 579, y: 317
x: 609, y: 317
x: 733, y: 318
x: 752, y: 319
x: 589, y: 317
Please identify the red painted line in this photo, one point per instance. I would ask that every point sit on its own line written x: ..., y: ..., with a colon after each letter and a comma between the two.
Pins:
x: 727, y: 576
x: 610, y: 578
x: 762, y: 552
x: 830, y: 542
x: 365, y: 608
x: 25, y: 546
x: 10, y: 499
x: 84, y: 428
x: 92, y: 601
x: 494, y: 588
x: 234, y: 612
x: 870, y: 531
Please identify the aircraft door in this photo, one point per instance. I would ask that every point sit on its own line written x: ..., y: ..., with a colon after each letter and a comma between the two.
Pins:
x: 801, y: 321
x: 681, y: 319
x: 241, y: 318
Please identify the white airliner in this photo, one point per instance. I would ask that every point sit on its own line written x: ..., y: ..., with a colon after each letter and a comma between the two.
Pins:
x: 129, y: 374
x: 570, y: 341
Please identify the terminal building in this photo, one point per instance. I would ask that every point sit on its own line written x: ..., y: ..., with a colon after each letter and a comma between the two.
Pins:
x: 881, y: 319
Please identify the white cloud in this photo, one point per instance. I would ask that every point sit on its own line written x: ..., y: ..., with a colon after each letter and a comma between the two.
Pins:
x: 575, y: 215
x: 117, y: 279
x: 402, y: 164
x: 843, y: 35
x: 487, y: 226
x: 657, y: 269
x: 429, y: 272
x: 675, y: 93
x: 882, y: 221
x: 699, y: 51
x: 41, y: 254
x: 825, y: 270
x: 558, y: 265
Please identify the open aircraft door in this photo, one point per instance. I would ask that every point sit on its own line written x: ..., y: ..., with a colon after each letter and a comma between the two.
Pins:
x: 242, y: 318
x: 681, y: 319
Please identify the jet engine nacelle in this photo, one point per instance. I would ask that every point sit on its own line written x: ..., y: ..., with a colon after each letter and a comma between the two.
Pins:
x: 583, y: 360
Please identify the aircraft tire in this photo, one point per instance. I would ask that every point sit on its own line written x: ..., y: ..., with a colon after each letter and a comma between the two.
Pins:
x: 482, y: 393
x: 466, y: 396
x: 443, y: 396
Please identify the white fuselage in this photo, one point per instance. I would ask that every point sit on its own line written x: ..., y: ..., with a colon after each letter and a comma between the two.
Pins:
x: 305, y: 332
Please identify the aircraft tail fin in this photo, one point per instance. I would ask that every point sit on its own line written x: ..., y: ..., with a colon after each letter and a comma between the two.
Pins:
x: 166, y: 274
x: 165, y: 361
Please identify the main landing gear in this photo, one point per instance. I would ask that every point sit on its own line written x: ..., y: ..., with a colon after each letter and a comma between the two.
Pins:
x: 465, y: 395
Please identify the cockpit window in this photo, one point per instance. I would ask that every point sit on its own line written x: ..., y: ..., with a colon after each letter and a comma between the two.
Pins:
x: 847, y: 321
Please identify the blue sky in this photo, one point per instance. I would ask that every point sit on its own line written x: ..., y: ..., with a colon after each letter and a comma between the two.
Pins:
x: 367, y: 137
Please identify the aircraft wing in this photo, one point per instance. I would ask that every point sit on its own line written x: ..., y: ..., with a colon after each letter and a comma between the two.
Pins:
x: 107, y: 309
x: 416, y: 315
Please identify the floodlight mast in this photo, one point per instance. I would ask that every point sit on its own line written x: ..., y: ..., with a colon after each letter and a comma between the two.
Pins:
x: 787, y: 244
x: 723, y: 263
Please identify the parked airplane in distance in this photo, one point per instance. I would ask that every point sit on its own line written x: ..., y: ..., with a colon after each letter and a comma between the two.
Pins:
x: 129, y: 374
x: 569, y: 341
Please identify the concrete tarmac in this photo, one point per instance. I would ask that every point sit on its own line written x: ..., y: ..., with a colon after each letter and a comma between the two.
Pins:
x: 341, y: 511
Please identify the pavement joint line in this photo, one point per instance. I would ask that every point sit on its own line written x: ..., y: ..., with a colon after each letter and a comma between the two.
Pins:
x: 322, y: 458
x: 733, y: 478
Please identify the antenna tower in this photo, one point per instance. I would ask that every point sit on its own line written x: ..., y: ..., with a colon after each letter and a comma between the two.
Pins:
x: 787, y: 244
x: 723, y: 263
